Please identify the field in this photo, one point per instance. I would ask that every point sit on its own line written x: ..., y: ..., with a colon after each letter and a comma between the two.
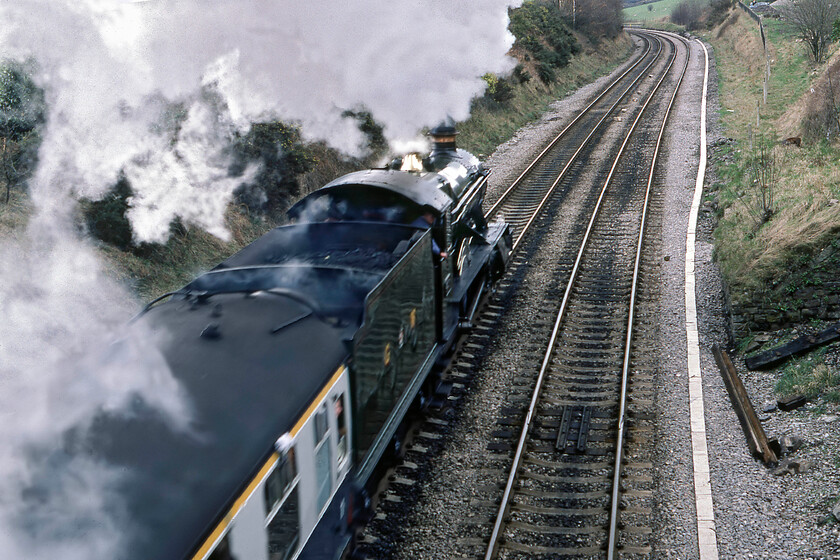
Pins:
x: 651, y: 11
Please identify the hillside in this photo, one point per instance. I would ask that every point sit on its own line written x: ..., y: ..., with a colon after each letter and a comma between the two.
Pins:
x: 777, y: 205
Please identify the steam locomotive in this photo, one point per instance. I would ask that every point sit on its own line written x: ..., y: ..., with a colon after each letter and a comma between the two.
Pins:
x: 301, y: 355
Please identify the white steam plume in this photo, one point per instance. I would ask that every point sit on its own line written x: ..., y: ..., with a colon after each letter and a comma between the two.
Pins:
x: 113, y: 71
x: 110, y: 67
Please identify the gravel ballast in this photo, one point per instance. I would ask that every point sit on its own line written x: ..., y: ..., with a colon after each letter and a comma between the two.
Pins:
x: 758, y: 514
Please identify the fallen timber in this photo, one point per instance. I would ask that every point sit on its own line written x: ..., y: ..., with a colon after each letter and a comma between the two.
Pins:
x: 801, y: 345
x: 754, y: 432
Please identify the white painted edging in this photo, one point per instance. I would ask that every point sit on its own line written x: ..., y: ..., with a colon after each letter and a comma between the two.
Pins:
x: 706, y: 535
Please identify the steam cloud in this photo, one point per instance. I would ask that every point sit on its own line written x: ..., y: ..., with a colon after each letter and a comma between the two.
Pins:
x: 112, y: 68
x: 113, y: 72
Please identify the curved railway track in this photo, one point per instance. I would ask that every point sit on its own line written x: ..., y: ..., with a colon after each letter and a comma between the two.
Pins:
x: 571, y: 488
x: 558, y: 498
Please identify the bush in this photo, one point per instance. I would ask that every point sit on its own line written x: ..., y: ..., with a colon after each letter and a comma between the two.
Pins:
x: 278, y: 148
x: 541, y: 33
x: 687, y: 13
x: 498, y: 89
x: 376, y: 144
x: 600, y: 17
x: 106, y: 219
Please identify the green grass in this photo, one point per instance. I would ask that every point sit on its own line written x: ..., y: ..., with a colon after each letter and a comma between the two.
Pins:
x: 789, y: 68
x: 809, y: 376
x: 488, y: 126
x: 657, y: 10
x: 773, y: 257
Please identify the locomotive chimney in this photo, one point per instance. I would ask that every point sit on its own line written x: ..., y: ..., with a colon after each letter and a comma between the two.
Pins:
x: 443, y: 139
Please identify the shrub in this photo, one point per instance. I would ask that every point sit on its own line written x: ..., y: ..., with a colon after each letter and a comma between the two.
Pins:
x: 106, y: 219
x: 541, y: 34
x: 687, y: 13
x: 278, y: 147
x: 498, y: 89
x: 377, y: 146
x: 600, y: 17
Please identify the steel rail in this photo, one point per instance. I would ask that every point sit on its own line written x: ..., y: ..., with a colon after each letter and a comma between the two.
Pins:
x: 491, y: 549
x: 521, y: 234
x: 625, y: 370
x: 568, y: 127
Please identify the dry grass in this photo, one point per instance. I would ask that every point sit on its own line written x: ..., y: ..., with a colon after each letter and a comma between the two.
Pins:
x: 807, y: 217
x: 755, y: 254
x: 739, y: 56
x: 14, y: 215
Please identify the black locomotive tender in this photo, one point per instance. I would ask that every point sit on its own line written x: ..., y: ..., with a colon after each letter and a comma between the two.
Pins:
x: 301, y: 355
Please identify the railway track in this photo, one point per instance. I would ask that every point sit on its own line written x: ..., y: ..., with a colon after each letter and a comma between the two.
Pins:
x: 559, y: 480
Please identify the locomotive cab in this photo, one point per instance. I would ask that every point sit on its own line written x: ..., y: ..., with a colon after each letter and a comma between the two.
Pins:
x: 443, y: 192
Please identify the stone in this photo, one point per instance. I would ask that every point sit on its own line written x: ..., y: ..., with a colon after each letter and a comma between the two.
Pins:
x: 769, y: 407
x: 790, y: 444
x: 792, y: 466
x: 801, y: 466
x: 791, y: 402
x: 836, y: 511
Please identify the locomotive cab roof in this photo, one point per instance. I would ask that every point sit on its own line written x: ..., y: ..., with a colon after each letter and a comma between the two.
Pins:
x: 388, y: 187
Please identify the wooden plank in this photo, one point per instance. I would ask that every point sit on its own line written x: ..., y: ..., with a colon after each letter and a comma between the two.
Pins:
x: 753, y: 431
x: 804, y: 343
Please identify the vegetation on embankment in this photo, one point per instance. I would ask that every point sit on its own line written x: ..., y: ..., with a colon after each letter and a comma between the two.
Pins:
x: 553, y: 61
x: 777, y: 205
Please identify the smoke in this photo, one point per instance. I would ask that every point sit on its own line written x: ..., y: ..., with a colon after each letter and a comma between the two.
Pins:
x: 61, y: 366
x: 113, y: 71
x: 156, y: 91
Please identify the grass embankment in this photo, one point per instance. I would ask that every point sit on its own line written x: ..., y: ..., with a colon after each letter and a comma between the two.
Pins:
x: 776, y: 253
x: 490, y: 126
x: 758, y: 249
x: 169, y: 267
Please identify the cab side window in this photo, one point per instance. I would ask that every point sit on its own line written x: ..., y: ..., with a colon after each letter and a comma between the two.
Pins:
x: 323, y: 470
x: 341, y: 424
x: 282, y: 507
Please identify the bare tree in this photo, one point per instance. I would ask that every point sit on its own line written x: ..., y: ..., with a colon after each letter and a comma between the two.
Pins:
x: 763, y: 169
x: 21, y: 112
x: 600, y: 17
x: 687, y: 13
x: 813, y: 20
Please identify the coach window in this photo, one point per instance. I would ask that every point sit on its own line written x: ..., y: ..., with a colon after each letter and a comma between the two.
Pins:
x: 341, y: 425
x: 323, y: 471
x: 281, y: 501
